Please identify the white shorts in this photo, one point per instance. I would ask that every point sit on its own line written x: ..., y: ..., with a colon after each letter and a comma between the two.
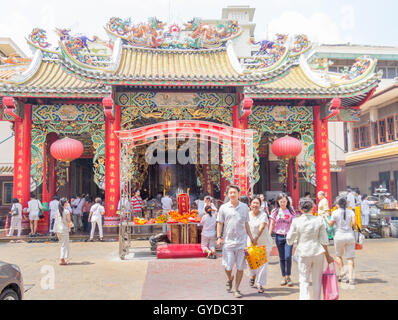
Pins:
x: 231, y: 257
x: 208, y: 243
x: 345, y: 244
x: 34, y: 216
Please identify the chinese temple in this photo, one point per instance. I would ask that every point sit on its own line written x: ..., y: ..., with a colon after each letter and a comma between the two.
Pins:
x: 151, y: 77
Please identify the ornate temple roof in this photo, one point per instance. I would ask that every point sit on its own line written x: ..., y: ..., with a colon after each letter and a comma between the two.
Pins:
x: 300, y: 82
x: 195, y: 55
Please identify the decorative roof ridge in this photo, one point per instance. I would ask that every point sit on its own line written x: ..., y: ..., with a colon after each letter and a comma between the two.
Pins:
x: 324, y: 82
x: 28, y: 73
x: 187, y: 51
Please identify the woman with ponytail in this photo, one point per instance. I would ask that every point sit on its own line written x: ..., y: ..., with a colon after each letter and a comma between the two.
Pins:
x: 344, y: 238
x: 62, y: 227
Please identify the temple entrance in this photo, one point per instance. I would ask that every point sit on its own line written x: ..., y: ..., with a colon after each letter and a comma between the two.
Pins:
x: 80, y: 180
x: 172, y: 178
x: 211, y: 154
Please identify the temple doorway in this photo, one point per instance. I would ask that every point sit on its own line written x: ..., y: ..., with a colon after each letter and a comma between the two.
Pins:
x: 172, y: 178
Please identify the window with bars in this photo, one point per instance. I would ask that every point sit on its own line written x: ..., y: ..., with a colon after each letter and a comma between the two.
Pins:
x: 364, y: 137
x: 390, y: 129
x: 382, y: 131
x: 396, y: 126
x: 356, y: 138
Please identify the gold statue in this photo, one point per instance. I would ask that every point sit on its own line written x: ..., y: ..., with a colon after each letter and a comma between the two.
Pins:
x: 167, y: 179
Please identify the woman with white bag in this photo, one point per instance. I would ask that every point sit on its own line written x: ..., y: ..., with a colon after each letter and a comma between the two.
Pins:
x: 62, y: 226
x: 258, y: 222
x: 344, y: 239
x: 16, y: 217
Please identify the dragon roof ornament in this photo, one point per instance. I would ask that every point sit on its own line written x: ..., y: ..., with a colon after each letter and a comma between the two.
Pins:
x: 194, y: 34
x: 271, y: 54
x: 359, y: 67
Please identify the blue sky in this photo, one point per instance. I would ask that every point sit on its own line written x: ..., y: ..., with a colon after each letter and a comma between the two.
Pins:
x: 338, y: 21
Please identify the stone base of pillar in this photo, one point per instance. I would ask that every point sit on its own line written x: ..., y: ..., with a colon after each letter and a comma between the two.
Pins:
x: 111, y: 225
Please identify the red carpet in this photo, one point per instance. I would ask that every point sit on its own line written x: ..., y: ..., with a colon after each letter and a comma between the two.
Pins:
x: 173, y: 251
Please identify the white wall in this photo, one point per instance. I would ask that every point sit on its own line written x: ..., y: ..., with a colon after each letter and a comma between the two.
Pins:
x: 336, y: 134
x: 6, y: 148
x: 361, y: 176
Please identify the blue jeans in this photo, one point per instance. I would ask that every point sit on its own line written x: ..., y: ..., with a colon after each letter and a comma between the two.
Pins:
x: 285, y: 254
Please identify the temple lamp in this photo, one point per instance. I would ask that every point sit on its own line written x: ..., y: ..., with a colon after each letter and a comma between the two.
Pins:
x: 286, y: 148
x: 66, y: 150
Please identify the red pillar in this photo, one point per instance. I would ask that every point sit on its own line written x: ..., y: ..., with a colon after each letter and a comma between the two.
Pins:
x: 322, y: 164
x: 223, y: 182
x: 52, y: 177
x: 42, y: 226
x: 293, y: 188
x: 112, y: 168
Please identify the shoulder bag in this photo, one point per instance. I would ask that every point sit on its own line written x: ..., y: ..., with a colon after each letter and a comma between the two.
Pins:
x: 41, y: 214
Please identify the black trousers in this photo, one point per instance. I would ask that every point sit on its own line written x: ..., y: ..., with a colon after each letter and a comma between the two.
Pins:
x: 86, y: 224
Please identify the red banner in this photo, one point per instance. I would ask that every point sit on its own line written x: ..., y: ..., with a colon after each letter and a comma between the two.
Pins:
x: 183, y: 203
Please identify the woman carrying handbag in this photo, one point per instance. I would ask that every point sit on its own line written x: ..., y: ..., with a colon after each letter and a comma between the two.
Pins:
x: 344, y: 238
x: 312, y: 242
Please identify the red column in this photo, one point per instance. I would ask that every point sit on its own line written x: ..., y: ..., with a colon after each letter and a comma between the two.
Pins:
x: 322, y: 164
x: 18, y: 190
x: 223, y: 182
x: 52, y: 183
x: 205, y: 178
x: 112, y: 168
x: 293, y: 188
x: 42, y: 226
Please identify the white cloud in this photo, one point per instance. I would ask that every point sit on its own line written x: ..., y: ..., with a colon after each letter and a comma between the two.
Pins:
x: 319, y: 27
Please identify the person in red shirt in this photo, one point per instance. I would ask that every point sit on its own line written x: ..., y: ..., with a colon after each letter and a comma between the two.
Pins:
x: 136, y: 203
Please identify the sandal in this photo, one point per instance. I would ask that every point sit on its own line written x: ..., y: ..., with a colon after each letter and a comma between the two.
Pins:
x: 341, y: 277
x: 229, y: 285
x: 251, y: 282
x: 237, y: 294
x: 260, y: 289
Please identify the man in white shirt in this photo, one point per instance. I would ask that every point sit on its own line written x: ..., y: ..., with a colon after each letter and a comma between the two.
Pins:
x: 233, y: 222
x: 125, y: 204
x: 167, y: 203
x: 323, y: 205
x: 200, y: 203
x: 351, y: 199
x: 53, y: 206
x: 77, y: 212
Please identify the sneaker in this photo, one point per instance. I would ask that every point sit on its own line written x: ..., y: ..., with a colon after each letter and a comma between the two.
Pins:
x: 283, y: 282
x: 289, y: 282
x: 237, y: 294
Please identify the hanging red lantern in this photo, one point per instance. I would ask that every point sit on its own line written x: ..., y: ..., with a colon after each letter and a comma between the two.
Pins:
x: 286, y: 147
x: 66, y: 149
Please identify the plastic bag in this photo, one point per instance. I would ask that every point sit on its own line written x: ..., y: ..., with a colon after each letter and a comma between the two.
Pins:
x: 330, y: 230
x: 330, y: 284
x: 256, y: 256
x: 359, y: 237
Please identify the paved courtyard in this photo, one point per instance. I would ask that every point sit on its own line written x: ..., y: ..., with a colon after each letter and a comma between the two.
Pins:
x: 96, y: 272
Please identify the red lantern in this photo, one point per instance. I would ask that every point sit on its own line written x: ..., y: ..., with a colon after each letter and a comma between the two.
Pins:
x: 66, y: 149
x: 286, y: 147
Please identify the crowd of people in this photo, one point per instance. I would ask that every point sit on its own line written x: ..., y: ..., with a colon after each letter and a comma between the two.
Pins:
x: 239, y: 223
